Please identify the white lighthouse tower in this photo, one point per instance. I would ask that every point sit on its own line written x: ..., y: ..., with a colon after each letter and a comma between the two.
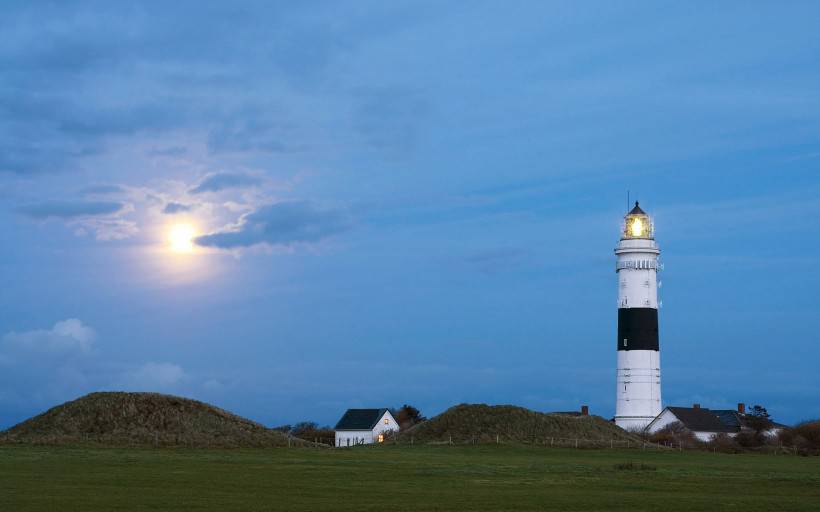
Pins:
x: 638, y: 398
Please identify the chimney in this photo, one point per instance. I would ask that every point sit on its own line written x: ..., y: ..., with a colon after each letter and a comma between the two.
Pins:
x: 584, y: 410
x: 695, y: 406
x: 741, y: 408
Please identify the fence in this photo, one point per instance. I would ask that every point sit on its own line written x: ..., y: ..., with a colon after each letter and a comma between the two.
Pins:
x: 546, y: 442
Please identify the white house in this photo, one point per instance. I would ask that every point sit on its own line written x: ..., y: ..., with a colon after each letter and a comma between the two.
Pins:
x: 707, y: 423
x: 364, y: 426
x: 703, y: 423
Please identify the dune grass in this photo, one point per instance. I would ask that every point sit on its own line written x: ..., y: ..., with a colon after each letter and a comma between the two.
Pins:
x: 402, y: 478
x: 481, y: 423
x: 143, y: 419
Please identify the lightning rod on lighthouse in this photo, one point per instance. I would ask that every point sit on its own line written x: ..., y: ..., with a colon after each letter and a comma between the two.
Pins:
x: 638, y: 397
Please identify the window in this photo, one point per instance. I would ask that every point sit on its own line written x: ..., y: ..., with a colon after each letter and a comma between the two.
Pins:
x: 386, y: 421
x: 381, y: 438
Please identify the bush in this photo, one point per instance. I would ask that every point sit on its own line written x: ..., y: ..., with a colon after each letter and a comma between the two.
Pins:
x: 631, y: 466
x: 810, y: 431
x: 407, y: 416
x: 750, y: 439
x: 674, y: 434
x: 724, y: 443
x: 310, y: 431
x: 804, y: 438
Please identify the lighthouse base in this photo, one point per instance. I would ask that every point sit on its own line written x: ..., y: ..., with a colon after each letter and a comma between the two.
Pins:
x: 638, y: 398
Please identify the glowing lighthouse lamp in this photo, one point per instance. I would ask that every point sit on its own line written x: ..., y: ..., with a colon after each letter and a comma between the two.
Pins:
x: 638, y: 396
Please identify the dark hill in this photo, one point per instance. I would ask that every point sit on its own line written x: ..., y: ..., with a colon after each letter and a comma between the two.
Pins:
x: 153, y: 419
x: 482, y: 423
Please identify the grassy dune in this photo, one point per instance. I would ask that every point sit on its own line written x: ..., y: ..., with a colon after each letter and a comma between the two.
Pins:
x: 402, y: 478
x: 143, y: 419
x: 481, y: 423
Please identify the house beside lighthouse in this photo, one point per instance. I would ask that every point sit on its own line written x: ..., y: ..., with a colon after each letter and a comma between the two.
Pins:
x: 638, y: 393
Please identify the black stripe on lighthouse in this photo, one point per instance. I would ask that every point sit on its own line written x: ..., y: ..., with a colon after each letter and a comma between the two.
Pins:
x: 638, y: 329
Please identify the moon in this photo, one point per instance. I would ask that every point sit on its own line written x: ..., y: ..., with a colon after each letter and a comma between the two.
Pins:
x: 181, y: 237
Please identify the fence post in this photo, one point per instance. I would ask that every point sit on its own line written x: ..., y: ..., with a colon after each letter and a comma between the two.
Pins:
x: 611, y: 444
x: 451, y: 439
x: 576, y: 442
x: 497, y: 440
x: 552, y: 440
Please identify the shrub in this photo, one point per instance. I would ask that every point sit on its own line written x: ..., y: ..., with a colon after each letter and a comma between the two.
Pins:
x: 674, y: 434
x: 750, y: 439
x: 804, y: 438
x: 724, y: 444
x: 810, y: 431
x: 310, y: 431
x: 632, y: 466
x: 407, y: 416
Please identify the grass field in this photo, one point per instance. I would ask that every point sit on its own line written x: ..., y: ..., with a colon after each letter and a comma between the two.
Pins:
x: 391, y: 478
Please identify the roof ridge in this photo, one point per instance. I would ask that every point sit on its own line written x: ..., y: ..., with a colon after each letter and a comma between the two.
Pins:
x: 361, y: 419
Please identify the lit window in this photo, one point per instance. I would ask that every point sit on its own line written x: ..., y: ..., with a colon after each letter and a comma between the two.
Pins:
x: 386, y: 421
x: 381, y: 438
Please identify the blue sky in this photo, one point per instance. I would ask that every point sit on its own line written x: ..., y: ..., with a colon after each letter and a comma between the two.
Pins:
x: 405, y: 202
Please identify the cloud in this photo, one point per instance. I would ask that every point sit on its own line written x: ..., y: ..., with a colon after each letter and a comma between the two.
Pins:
x: 391, y: 118
x: 70, y: 209
x: 168, y: 151
x: 103, y: 218
x: 107, y: 229
x: 156, y: 375
x: 214, y: 182
x: 248, y: 134
x: 69, y: 335
x: 493, y: 261
x: 103, y: 190
x: 174, y: 207
x: 213, y: 384
x: 281, y: 224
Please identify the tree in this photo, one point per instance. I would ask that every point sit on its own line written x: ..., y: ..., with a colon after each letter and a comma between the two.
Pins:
x: 756, y: 422
x: 758, y: 418
x: 303, y: 427
x: 407, y: 416
x: 758, y: 411
x: 311, y: 431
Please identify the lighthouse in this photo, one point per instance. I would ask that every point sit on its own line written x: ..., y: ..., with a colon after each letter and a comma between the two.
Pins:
x: 638, y: 396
